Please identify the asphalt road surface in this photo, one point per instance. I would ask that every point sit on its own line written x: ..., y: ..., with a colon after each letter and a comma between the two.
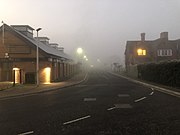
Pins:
x: 103, y: 105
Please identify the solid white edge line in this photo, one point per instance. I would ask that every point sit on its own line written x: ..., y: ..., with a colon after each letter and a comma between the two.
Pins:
x: 163, y: 90
x: 72, y: 121
x: 26, y: 133
x: 111, y: 108
x: 151, y: 93
x: 140, y: 99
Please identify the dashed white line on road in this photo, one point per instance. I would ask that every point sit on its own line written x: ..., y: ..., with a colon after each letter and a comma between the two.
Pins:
x: 121, y: 106
x: 89, y: 99
x: 111, y: 108
x: 76, y: 120
x: 140, y: 99
x: 151, y: 93
x: 27, y: 133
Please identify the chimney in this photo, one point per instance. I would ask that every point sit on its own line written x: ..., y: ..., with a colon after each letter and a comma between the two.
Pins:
x: 44, y: 40
x: 61, y: 49
x: 143, y: 37
x: 54, y: 45
x: 164, y: 35
x: 24, y: 29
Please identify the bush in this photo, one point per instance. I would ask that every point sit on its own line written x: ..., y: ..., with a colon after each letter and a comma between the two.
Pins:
x: 166, y: 73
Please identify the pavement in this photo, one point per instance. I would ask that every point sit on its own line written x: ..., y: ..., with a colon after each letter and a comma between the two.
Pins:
x: 8, y: 91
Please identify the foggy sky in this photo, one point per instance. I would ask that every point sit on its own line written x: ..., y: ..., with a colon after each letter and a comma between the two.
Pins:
x: 100, y: 27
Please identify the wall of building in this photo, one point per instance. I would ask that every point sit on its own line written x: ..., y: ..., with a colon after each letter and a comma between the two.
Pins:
x: 21, y: 56
x: 16, y: 47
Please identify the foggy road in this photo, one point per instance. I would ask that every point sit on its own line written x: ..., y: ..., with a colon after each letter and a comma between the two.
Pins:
x: 103, y: 105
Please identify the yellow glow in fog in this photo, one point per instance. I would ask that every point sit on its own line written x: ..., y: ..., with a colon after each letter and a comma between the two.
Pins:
x: 47, y: 75
x: 17, y: 75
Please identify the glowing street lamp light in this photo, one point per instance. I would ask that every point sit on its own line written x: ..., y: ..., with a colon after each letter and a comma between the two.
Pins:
x: 85, y: 57
x: 79, y: 51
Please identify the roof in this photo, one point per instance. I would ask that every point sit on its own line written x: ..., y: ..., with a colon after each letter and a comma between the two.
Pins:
x: 42, y: 38
x: 46, y: 48
x: 150, y: 43
x: 23, y: 26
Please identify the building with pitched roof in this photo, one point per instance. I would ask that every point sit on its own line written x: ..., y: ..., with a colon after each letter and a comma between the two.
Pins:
x: 146, y: 51
x: 18, y: 52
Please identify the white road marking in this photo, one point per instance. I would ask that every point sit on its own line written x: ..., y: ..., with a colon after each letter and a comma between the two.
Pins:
x: 140, y: 99
x: 151, y: 93
x: 111, y: 108
x: 89, y: 99
x: 79, y: 119
x: 123, y: 106
x: 163, y: 90
x: 120, y: 106
x: 26, y: 133
x: 123, y: 95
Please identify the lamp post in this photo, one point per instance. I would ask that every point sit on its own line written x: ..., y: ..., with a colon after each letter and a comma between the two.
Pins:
x: 37, y: 58
x: 7, y: 60
x: 3, y: 33
x: 79, y: 52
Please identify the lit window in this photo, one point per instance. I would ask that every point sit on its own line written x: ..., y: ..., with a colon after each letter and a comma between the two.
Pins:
x: 141, y: 52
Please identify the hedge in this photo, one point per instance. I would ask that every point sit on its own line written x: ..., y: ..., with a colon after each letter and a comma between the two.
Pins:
x: 166, y: 73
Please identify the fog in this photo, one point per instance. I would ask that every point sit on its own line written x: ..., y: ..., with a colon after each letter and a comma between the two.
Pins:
x: 100, y: 27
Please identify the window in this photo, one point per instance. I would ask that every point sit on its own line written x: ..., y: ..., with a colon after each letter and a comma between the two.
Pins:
x: 141, y: 52
x: 164, y: 52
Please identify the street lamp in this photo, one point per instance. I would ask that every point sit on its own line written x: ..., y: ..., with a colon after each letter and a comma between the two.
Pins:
x: 79, y: 51
x: 37, y: 58
x: 85, y: 57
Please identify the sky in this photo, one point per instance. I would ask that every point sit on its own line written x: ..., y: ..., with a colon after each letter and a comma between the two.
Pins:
x: 100, y: 27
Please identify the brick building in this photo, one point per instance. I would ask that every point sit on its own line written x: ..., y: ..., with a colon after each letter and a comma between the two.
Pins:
x: 145, y: 51
x: 18, y: 57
